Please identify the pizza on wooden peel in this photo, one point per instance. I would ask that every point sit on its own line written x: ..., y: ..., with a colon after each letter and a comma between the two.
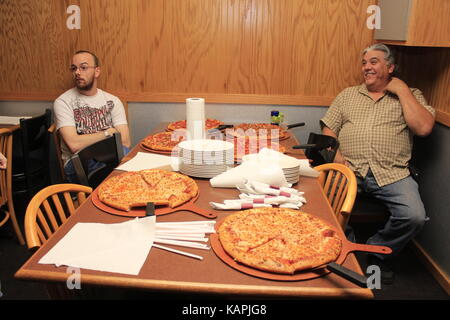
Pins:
x: 279, y: 240
x: 137, y: 188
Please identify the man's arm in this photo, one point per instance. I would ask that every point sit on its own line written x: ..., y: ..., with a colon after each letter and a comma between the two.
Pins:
x: 418, y: 119
x: 125, y: 134
x: 339, y: 158
x: 76, y: 141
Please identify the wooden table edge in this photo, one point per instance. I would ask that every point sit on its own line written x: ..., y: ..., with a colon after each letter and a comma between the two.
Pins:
x: 197, y: 287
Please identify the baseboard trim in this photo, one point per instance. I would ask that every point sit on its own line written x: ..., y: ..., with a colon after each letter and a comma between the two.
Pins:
x: 441, y: 277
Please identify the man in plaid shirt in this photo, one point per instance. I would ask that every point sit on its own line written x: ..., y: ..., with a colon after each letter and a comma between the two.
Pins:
x: 375, y: 123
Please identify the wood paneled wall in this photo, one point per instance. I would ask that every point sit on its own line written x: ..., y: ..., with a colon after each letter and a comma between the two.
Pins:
x: 243, y: 51
x: 429, y: 70
x: 299, y: 52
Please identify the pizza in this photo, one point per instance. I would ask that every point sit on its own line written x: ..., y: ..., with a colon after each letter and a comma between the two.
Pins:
x: 279, y: 240
x: 162, y: 141
x: 260, y: 130
x: 209, y: 124
x: 249, y: 145
x: 137, y: 188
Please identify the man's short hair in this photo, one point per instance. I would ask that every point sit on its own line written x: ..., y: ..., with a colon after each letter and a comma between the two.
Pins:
x: 96, y: 61
x: 388, y: 55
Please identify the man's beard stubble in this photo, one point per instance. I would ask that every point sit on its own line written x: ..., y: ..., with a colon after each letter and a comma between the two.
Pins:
x: 86, y: 87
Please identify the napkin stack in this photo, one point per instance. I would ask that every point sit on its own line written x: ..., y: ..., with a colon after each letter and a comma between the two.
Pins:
x: 255, y: 194
x: 189, y: 234
x: 195, y: 118
x: 265, y: 168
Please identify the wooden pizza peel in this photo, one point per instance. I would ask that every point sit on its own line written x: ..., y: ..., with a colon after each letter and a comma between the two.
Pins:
x: 159, y: 210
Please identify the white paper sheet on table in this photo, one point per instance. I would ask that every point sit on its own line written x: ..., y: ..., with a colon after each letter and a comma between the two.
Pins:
x: 120, y: 247
x: 143, y: 160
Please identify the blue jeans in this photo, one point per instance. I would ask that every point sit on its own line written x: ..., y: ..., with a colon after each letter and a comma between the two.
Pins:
x: 407, y: 217
x: 69, y: 170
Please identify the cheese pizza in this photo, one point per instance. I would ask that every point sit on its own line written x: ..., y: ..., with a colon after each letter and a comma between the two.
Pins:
x: 162, y: 141
x: 209, y: 124
x: 279, y: 240
x: 135, y: 189
x: 260, y: 130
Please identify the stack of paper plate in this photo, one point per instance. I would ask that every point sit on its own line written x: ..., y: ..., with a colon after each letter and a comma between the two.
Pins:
x: 205, y: 158
x: 291, y: 169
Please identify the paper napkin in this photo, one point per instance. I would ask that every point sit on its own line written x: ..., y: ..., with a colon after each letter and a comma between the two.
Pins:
x: 120, y: 247
x: 144, y: 160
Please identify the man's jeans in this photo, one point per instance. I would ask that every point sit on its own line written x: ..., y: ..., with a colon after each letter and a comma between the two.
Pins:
x: 407, y: 217
x: 69, y: 170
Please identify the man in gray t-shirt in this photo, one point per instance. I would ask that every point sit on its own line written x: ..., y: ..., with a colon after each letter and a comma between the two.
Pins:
x: 86, y: 114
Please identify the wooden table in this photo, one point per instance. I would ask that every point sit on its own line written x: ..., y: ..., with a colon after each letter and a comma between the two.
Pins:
x: 168, y: 272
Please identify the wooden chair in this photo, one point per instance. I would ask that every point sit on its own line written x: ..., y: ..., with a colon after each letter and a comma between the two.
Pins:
x: 108, y: 152
x: 340, y: 187
x: 6, y: 199
x: 49, y: 209
x: 31, y: 157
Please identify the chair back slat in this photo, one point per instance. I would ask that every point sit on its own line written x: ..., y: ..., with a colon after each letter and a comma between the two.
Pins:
x: 339, y: 203
x: 42, y: 221
x: 59, y: 208
x: 334, y: 186
x: 339, y: 185
x: 57, y: 143
x: 340, y: 193
x: 40, y: 235
x: 81, y: 197
x: 69, y: 202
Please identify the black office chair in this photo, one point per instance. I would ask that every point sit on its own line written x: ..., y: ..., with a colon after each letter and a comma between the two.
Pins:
x: 30, y: 163
x: 320, y: 148
x: 107, y: 153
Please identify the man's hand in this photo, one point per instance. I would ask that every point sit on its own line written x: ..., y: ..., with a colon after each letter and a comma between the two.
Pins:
x: 397, y: 86
x: 3, y: 161
x: 339, y: 158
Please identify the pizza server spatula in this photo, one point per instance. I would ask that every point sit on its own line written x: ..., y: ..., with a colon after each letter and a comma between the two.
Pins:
x: 347, y: 274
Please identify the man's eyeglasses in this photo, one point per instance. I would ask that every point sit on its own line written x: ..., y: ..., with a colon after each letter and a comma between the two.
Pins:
x: 82, y: 68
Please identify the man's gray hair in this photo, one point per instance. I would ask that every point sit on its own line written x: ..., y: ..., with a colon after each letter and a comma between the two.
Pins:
x: 388, y: 56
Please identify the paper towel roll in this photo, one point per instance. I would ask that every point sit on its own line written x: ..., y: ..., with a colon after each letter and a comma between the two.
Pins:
x: 195, y: 118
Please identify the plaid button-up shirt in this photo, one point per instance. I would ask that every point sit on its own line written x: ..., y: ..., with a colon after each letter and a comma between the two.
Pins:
x: 373, y: 134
